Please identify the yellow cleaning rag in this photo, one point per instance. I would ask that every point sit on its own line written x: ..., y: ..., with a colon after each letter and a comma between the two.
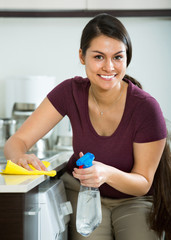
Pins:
x: 12, y: 168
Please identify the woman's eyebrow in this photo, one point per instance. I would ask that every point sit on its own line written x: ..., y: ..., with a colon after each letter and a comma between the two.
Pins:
x: 96, y: 51
x: 119, y: 52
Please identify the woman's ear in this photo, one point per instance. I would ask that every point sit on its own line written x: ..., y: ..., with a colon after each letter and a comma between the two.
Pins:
x: 81, y: 57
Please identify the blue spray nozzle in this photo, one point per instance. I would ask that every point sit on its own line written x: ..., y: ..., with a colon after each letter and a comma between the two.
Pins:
x: 86, y: 160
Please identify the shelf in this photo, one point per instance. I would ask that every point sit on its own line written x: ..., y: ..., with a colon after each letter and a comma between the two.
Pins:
x: 84, y: 13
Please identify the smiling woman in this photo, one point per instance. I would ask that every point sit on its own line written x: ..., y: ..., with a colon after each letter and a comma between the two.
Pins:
x: 122, y: 125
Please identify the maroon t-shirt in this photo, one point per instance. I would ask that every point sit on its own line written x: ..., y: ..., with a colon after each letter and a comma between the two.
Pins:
x: 142, y: 121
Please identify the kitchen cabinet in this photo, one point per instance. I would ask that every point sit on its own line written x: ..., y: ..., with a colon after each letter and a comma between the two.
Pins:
x: 84, y: 8
x: 128, y: 4
x: 84, y: 4
x: 42, y: 4
x: 19, y: 200
x: 20, y: 210
x: 19, y: 215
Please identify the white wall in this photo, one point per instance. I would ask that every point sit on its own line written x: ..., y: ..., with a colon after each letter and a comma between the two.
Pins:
x: 49, y: 46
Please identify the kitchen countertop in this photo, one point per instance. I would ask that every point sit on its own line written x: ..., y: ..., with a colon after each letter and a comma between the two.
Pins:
x: 24, y: 183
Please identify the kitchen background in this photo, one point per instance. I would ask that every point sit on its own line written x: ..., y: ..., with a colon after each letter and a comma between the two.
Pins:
x: 37, y: 53
x: 49, y: 47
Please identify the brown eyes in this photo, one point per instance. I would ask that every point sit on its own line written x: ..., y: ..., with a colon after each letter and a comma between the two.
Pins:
x: 100, y: 57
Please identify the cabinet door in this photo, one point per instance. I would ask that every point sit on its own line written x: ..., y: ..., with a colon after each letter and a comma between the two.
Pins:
x: 128, y: 4
x: 42, y: 4
x: 31, y: 218
x: 19, y: 215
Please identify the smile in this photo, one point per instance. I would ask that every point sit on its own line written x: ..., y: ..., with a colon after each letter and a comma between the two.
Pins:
x: 107, y: 76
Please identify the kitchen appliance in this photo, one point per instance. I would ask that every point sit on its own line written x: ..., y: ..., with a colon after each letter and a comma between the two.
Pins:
x: 7, y: 129
x: 23, y: 96
x: 54, y: 211
x: 21, y: 111
x: 27, y: 89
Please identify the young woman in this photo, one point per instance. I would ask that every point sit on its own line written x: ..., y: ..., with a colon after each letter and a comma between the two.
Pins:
x: 122, y: 125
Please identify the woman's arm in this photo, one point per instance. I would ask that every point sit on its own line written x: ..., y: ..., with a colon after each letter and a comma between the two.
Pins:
x: 43, y: 119
x: 137, y: 182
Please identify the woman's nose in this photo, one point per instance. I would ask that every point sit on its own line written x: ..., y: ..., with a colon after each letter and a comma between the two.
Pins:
x: 108, y: 66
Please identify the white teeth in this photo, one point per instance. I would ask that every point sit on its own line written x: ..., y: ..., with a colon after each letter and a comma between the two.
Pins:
x: 107, y: 77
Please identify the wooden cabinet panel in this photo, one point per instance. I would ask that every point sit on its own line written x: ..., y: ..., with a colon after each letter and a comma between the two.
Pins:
x: 128, y: 4
x: 16, y: 219
x: 42, y: 4
x: 84, y: 8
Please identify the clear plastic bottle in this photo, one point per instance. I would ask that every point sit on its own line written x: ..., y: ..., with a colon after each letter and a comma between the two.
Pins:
x: 89, y: 215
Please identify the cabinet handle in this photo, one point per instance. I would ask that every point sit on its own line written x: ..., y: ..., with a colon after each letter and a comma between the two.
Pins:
x: 32, y: 212
x: 66, y: 208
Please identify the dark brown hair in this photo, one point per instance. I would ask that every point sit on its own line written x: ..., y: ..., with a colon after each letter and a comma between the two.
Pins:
x: 160, y: 216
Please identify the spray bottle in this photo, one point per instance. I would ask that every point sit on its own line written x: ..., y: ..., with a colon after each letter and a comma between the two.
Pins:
x: 89, y: 215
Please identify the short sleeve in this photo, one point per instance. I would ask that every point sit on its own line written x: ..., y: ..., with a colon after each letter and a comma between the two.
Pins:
x: 149, y: 124
x: 60, y: 95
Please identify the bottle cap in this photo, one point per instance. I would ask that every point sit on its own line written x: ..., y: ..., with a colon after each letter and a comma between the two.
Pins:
x: 86, y: 160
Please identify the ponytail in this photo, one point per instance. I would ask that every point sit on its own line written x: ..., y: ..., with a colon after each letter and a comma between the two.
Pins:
x: 134, y: 81
x: 160, y: 215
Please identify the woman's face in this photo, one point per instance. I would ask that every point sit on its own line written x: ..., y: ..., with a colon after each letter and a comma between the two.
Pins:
x: 105, y: 62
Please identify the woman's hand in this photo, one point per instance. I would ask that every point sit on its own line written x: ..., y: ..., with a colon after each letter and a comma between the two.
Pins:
x: 93, y: 176
x: 31, y: 159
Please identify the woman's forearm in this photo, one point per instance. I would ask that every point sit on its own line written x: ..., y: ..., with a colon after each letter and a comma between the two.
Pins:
x: 128, y: 183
